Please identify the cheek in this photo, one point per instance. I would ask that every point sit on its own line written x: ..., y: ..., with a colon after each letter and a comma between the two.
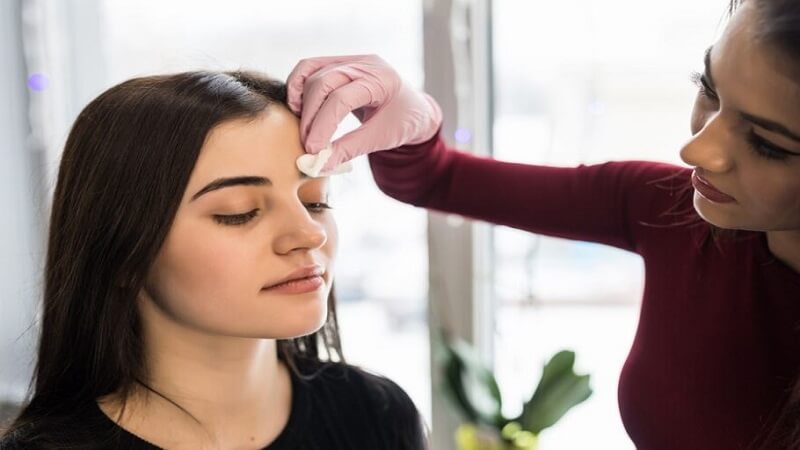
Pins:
x: 774, y: 198
x: 787, y: 206
x: 202, y: 271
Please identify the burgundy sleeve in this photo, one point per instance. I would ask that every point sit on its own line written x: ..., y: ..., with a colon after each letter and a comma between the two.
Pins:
x: 609, y: 203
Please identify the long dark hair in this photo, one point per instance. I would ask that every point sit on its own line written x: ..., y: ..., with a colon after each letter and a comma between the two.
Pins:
x: 123, y: 172
x: 778, y: 25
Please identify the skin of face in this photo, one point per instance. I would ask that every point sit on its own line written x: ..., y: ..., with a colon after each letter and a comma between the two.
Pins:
x: 747, y: 76
x: 208, y: 276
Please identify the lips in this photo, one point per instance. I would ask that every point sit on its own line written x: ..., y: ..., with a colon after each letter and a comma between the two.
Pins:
x: 708, y: 190
x: 303, y: 275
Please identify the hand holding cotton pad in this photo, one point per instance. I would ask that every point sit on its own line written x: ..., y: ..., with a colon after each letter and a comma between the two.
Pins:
x: 312, y: 165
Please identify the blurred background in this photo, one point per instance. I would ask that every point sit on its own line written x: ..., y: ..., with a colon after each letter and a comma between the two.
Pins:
x: 558, y: 83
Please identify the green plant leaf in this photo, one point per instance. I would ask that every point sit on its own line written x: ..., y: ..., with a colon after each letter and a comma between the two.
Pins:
x: 470, y: 385
x: 559, y: 364
x: 559, y: 389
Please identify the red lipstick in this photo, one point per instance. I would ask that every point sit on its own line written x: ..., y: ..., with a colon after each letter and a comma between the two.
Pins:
x: 709, y: 191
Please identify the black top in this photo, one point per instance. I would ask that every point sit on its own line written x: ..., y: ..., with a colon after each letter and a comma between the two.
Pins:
x: 334, y: 406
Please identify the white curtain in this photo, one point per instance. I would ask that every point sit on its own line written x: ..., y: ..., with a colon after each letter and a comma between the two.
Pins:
x: 59, y: 41
x: 63, y: 41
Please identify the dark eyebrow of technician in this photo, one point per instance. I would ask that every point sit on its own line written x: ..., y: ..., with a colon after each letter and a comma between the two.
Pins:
x: 769, y: 125
x: 707, y: 64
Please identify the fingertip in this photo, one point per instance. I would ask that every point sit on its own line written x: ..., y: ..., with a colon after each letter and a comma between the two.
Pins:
x: 329, y: 166
x: 294, y: 108
x: 314, y: 148
x: 337, y: 165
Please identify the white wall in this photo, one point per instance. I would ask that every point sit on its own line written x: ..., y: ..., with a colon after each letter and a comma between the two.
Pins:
x: 20, y: 209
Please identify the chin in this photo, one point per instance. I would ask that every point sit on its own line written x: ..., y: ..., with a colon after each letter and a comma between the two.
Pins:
x: 300, y: 326
x: 713, y: 213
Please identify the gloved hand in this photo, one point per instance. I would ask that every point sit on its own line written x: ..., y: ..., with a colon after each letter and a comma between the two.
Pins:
x: 324, y: 90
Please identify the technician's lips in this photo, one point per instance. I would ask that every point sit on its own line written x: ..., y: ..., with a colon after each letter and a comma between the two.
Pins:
x: 707, y: 190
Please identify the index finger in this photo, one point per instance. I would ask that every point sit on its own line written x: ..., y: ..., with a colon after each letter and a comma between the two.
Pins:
x: 304, y: 69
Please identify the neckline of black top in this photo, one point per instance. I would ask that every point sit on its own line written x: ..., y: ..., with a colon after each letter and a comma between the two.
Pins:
x: 286, y: 439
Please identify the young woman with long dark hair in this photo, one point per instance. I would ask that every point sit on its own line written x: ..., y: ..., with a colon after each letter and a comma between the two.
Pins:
x: 188, y: 298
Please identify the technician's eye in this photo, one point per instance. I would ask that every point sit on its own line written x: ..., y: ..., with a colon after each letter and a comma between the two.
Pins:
x: 704, y: 87
x: 766, y: 149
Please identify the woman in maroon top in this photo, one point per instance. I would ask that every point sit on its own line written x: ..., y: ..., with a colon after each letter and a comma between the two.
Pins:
x: 716, y: 357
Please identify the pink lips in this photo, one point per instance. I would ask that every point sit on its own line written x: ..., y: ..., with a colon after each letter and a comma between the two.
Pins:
x: 301, y: 281
x: 707, y: 190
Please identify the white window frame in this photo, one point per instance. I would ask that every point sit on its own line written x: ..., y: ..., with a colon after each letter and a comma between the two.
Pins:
x: 458, y: 73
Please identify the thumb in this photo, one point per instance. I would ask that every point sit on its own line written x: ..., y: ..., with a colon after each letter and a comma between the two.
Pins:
x: 366, y: 139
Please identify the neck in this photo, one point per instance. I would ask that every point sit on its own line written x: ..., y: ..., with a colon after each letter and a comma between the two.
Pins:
x: 785, y: 245
x: 235, y: 388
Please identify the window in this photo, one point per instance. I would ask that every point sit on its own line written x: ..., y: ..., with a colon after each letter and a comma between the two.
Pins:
x: 583, y: 82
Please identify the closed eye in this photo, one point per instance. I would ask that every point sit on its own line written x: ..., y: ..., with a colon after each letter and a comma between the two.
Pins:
x: 318, y: 207
x: 766, y: 149
x: 235, y: 219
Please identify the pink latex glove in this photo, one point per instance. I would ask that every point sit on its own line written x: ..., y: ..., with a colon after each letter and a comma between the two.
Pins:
x: 322, y: 91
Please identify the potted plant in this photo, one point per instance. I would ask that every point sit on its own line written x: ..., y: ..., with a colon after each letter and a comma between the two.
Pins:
x: 473, y: 390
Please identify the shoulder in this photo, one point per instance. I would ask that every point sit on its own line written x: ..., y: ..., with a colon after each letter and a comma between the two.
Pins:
x: 368, y: 399
x: 345, y: 380
x: 656, y: 196
x: 19, y: 438
x: 9, y: 443
x: 384, y: 394
x: 645, y: 173
x: 80, y: 429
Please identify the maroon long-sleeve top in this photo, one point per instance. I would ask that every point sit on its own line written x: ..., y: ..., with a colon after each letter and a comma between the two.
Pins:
x: 717, y: 347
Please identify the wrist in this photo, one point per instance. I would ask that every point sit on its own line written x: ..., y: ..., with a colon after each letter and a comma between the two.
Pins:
x: 433, y: 122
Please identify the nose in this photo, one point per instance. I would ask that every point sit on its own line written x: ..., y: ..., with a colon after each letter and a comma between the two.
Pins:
x: 710, y: 148
x: 298, y: 231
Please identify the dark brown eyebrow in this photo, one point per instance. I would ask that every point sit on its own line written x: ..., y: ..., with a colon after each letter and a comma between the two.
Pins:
x: 707, y: 63
x: 221, y: 183
x: 767, y: 124
x: 249, y: 180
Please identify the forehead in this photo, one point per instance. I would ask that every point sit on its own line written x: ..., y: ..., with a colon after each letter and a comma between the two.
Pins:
x: 752, y: 75
x: 266, y: 145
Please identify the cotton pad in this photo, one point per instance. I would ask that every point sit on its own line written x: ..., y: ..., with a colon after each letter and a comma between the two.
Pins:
x: 312, y: 165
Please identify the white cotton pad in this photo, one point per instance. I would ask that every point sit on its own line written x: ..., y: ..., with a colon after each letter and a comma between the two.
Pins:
x: 312, y: 165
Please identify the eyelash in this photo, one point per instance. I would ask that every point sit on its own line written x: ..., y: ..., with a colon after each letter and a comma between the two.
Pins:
x: 760, y: 146
x: 235, y: 219
x: 318, y: 207
x: 241, y: 219
x: 766, y: 149
x: 699, y: 80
